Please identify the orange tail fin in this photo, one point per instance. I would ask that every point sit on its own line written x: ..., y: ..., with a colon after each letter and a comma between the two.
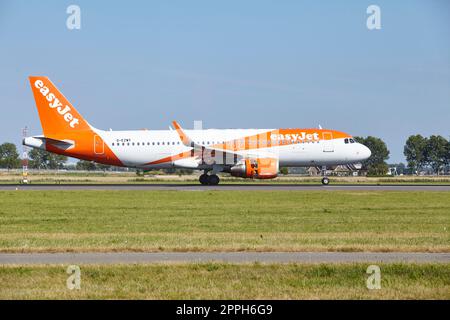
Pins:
x: 56, y: 113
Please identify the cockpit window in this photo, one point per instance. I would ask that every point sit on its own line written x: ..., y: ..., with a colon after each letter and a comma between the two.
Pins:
x: 346, y: 140
x: 352, y: 141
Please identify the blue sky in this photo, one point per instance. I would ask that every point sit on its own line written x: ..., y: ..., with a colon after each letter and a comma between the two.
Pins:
x: 233, y: 64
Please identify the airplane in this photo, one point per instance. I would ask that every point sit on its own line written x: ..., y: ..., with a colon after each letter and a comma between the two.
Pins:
x: 245, y: 153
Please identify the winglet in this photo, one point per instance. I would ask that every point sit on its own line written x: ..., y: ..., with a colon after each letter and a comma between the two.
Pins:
x: 184, y: 138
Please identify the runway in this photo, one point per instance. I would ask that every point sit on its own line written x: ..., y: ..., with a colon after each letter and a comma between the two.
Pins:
x: 230, y: 257
x: 230, y: 187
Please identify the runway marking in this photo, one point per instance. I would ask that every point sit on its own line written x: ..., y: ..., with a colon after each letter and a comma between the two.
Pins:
x: 228, y: 187
x: 231, y: 257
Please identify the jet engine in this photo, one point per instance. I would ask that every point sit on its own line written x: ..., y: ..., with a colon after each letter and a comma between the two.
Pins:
x: 262, y: 168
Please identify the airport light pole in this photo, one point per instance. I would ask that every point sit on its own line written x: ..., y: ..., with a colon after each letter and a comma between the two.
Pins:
x: 24, y: 157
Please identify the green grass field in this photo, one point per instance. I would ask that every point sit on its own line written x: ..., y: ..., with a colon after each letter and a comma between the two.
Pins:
x: 33, y: 221
x: 226, y: 281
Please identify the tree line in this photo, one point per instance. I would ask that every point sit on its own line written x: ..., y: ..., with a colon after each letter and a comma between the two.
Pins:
x: 420, y: 152
x: 41, y: 159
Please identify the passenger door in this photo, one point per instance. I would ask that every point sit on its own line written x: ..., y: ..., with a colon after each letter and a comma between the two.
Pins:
x: 328, y: 145
x: 99, y: 146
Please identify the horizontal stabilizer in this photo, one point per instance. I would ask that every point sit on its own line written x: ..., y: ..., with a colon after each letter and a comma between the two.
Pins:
x: 42, y: 141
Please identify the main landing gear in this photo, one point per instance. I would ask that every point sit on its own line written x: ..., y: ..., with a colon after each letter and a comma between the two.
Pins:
x: 211, y: 180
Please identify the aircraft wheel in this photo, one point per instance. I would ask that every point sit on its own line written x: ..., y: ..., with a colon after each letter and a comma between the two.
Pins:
x: 325, y: 181
x: 204, y: 179
x: 213, y: 179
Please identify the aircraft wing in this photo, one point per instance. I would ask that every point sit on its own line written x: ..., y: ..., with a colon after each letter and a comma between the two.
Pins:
x: 220, y: 151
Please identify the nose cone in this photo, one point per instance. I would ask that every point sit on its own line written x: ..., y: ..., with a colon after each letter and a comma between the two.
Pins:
x: 364, y: 152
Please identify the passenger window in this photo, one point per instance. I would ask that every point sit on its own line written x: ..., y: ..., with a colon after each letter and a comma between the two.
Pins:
x: 352, y: 141
x: 138, y: 143
x: 346, y: 140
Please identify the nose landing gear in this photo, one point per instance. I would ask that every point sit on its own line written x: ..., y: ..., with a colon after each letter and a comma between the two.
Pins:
x: 325, y: 180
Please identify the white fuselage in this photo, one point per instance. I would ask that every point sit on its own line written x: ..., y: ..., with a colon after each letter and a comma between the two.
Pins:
x: 142, y: 148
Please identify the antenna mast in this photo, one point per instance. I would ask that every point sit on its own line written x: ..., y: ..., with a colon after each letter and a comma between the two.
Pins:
x: 24, y: 158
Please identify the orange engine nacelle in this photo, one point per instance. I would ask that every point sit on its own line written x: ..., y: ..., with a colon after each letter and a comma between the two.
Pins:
x: 263, y: 168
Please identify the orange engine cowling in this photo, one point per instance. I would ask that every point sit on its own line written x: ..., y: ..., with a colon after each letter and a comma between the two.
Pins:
x: 262, y: 168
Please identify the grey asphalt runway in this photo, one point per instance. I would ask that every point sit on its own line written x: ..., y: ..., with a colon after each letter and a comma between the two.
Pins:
x: 232, y: 257
x: 239, y: 187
